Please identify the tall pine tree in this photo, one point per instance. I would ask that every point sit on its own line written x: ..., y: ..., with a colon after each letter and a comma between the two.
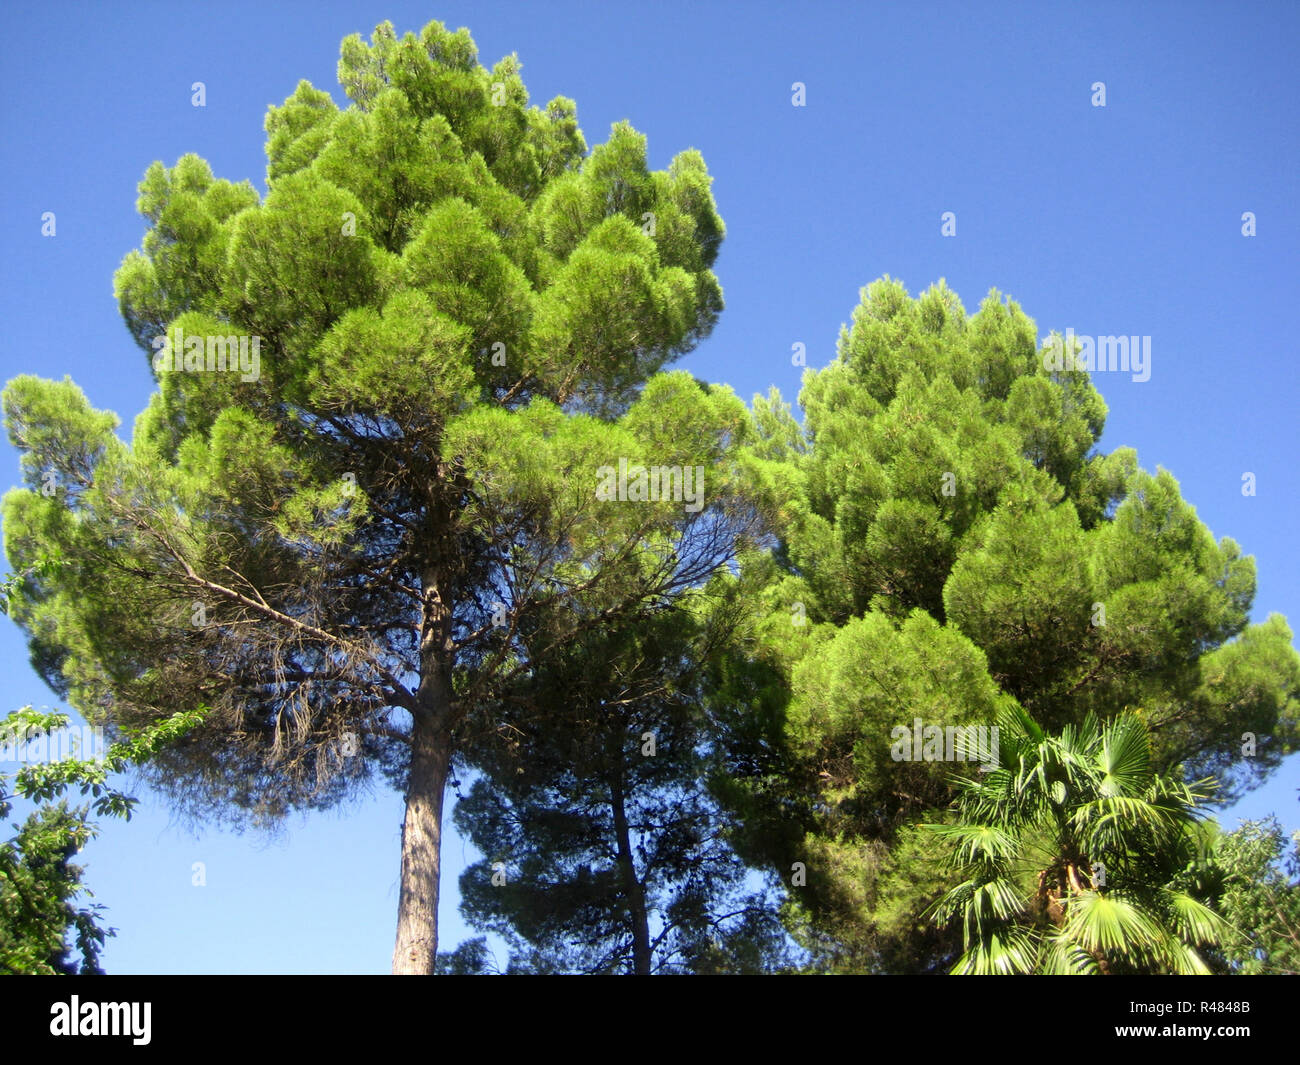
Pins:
x: 363, y: 501
x: 952, y: 544
x: 604, y: 852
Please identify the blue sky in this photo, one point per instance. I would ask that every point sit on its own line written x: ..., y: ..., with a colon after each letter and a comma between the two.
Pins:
x: 1123, y: 219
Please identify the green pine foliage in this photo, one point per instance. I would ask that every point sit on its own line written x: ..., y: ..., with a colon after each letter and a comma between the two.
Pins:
x: 603, y: 854
x: 353, y: 544
x: 376, y: 521
x: 952, y: 546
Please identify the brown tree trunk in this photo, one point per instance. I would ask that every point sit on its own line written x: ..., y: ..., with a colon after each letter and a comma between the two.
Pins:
x: 416, y: 948
x: 641, y: 956
x: 417, y: 908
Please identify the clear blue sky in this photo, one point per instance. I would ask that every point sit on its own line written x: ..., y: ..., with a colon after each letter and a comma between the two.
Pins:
x: 1117, y: 220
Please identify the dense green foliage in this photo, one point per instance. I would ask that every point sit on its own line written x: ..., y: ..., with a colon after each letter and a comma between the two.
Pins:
x: 952, y: 547
x: 1257, y: 881
x: 610, y: 855
x: 354, y: 547
x: 40, y: 886
x: 367, y: 517
x: 39, y: 889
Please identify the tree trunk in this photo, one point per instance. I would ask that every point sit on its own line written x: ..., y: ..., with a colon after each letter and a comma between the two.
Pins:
x: 416, y: 949
x: 417, y: 909
x: 641, y: 956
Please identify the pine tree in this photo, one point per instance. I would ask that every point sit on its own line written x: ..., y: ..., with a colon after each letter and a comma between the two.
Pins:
x: 364, y: 499
x: 603, y: 851
x: 951, y: 543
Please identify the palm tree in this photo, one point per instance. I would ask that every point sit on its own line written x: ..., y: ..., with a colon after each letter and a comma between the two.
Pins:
x: 1075, y: 854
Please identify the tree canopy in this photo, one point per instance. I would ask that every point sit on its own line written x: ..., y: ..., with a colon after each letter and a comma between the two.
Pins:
x: 353, y: 539
x: 952, y: 546
x: 418, y: 495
